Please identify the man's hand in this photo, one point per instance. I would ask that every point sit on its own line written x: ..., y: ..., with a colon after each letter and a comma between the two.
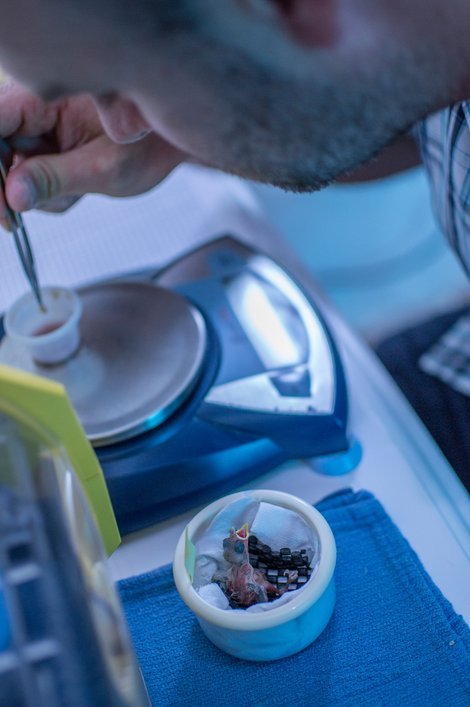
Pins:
x: 74, y: 156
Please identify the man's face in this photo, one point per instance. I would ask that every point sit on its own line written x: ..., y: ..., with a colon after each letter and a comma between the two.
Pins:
x: 235, y: 88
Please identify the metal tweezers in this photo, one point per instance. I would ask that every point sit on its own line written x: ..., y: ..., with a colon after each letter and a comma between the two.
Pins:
x: 16, y: 223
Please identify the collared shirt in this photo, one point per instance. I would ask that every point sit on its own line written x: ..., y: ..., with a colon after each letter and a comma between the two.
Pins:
x: 445, y: 147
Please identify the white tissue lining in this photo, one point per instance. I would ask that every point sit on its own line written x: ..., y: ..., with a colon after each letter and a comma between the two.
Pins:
x: 273, y: 525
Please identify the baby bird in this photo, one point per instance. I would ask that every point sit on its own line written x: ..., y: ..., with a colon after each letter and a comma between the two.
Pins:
x: 244, y: 584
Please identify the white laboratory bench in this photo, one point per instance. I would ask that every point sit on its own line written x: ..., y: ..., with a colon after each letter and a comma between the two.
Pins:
x: 401, y: 464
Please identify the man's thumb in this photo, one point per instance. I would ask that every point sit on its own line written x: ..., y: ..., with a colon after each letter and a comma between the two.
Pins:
x: 32, y: 183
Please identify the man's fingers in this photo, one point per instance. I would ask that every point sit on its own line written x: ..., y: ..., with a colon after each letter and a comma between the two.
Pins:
x: 21, y: 191
x: 59, y: 205
x: 99, y: 166
x: 41, y: 181
x: 21, y: 111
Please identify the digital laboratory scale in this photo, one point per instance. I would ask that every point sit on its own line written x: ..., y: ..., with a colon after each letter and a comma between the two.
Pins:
x: 193, y: 380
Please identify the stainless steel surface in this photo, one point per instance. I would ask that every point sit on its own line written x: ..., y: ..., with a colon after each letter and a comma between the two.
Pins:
x: 17, y: 226
x: 143, y: 349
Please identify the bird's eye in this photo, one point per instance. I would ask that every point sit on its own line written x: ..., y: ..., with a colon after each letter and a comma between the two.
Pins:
x: 239, y: 546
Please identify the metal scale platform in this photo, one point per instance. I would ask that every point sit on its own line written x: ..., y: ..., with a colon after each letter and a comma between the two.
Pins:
x: 193, y: 380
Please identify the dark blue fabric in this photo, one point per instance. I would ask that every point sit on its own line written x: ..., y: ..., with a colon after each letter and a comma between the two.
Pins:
x: 393, y: 638
x: 444, y: 411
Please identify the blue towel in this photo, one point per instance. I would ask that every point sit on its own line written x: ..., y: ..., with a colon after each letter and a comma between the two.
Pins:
x: 393, y: 638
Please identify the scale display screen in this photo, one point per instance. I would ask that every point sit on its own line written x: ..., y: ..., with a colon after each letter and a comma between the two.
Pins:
x: 270, y: 321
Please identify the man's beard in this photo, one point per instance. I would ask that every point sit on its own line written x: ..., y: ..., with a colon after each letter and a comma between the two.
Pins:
x: 302, y: 133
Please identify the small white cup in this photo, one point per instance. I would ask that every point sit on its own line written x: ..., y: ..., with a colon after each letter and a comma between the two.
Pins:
x: 51, y: 335
x: 284, y: 630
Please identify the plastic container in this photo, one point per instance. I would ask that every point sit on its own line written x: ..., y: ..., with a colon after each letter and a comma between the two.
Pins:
x: 63, y: 637
x: 51, y: 335
x: 281, y: 631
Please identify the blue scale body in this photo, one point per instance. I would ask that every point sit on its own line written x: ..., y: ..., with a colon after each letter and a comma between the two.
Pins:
x: 205, y: 450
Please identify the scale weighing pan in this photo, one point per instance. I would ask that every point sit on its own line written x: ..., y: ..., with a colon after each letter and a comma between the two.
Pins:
x: 141, y: 354
x: 195, y: 379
